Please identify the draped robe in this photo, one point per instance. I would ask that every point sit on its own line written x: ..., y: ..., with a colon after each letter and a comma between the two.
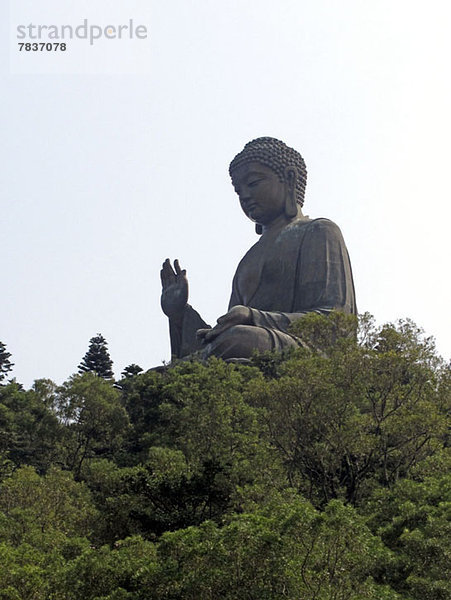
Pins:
x: 304, y: 268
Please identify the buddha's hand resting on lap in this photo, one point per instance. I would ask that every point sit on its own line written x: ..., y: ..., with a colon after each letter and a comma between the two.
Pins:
x: 174, y: 295
x: 237, y: 315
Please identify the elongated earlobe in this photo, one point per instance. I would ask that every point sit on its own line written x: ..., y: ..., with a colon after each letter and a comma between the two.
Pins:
x: 258, y: 228
x: 291, y: 206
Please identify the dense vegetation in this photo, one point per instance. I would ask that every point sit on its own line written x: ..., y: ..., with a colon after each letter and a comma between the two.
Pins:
x: 320, y: 474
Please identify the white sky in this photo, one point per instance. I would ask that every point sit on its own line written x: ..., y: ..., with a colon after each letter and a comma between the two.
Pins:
x: 104, y: 176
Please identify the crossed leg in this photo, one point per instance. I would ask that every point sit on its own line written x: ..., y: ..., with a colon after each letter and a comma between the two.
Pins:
x: 240, y: 341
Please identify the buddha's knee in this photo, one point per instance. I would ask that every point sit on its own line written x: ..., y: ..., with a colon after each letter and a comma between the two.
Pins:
x: 239, y: 341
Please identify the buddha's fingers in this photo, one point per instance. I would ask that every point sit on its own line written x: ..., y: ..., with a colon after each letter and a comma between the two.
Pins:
x: 167, y: 273
x: 201, y: 333
x: 211, y: 334
x: 179, y: 272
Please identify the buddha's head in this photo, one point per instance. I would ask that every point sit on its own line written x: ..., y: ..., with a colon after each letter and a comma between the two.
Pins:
x: 279, y: 172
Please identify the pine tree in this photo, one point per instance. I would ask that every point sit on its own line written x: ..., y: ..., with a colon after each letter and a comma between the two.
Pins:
x: 131, y: 371
x: 5, y: 364
x: 97, y: 358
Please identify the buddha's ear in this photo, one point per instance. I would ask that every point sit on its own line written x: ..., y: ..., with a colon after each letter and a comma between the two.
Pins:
x: 258, y: 228
x: 291, y: 207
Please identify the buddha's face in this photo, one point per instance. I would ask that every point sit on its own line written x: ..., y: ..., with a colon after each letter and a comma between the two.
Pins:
x: 261, y: 193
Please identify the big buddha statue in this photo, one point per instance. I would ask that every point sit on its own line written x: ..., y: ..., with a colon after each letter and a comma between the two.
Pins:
x: 299, y: 265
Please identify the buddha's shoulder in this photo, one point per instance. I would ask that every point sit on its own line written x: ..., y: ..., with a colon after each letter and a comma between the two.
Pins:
x: 307, y: 226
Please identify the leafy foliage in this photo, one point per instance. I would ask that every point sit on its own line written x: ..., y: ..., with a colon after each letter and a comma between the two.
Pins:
x: 350, y: 417
x: 414, y: 520
x: 288, y: 550
x: 95, y: 421
x: 5, y: 364
x: 44, y: 511
x: 318, y: 474
x: 131, y: 371
x: 30, y: 432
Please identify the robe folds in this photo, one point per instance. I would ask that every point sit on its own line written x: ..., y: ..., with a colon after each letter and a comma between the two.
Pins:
x: 304, y: 268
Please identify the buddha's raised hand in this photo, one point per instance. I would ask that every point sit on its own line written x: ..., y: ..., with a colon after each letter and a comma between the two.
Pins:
x: 174, y: 295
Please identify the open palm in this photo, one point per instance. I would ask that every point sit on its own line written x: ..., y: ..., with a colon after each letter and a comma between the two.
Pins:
x: 174, y: 295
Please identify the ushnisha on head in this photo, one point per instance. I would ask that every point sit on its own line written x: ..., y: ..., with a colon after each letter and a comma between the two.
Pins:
x: 277, y: 156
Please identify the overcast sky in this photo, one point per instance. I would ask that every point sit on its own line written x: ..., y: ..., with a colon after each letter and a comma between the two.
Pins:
x: 105, y: 175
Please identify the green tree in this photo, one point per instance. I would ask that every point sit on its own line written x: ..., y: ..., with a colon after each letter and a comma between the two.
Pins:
x: 317, y: 474
x: 44, y: 521
x: 118, y: 573
x: 30, y: 432
x: 142, y: 397
x: 194, y: 452
x: 26, y: 572
x: 204, y: 414
x: 414, y: 520
x: 94, y: 419
x: 131, y: 370
x: 44, y: 511
x: 351, y: 416
x: 5, y: 364
x: 287, y: 550
x: 162, y: 495
x: 97, y: 358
